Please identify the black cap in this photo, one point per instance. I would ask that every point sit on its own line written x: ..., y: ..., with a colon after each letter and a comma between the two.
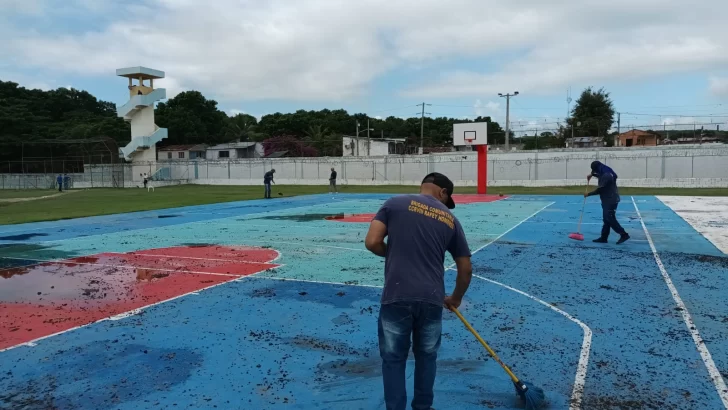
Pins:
x: 443, y: 182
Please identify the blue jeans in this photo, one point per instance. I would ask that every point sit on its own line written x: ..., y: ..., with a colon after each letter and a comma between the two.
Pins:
x: 397, y: 321
x: 609, y: 216
x: 267, y: 189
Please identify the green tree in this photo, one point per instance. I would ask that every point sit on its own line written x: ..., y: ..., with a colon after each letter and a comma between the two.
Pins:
x: 31, y: 120
x: 242, y: 127
x: 192, y: 119
x: 592, y: 115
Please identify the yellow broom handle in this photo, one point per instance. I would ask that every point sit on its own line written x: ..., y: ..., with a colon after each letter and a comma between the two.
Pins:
x: 485, y: 345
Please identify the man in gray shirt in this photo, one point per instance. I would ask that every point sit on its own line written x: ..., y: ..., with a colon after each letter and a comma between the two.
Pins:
x: 420, y: 229
x: 332, y: 181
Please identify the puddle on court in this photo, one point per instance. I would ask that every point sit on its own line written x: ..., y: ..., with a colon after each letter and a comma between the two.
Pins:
x: 297, y: 217
x: 38, y: 299
x: 67, y: 283
x: 22, y: 236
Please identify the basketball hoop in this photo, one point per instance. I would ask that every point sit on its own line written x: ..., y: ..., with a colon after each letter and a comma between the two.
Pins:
x: 469, y: 141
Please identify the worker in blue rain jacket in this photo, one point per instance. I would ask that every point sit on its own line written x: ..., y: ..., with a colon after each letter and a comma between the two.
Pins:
x: 609, y: 194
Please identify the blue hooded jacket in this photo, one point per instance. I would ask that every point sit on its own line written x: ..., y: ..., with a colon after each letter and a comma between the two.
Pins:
x: 607, y: 190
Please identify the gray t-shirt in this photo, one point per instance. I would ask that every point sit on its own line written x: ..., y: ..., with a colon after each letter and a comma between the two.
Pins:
x: 420, y: 230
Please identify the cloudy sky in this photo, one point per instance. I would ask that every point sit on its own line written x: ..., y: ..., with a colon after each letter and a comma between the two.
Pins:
x: 664, y: 61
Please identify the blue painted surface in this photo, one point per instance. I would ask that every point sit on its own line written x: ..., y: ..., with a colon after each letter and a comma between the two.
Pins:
x: 265, y: 343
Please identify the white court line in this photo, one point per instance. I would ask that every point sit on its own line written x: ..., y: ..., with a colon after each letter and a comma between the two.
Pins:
x: 315, y: 281
x: 507, y: 231
x: 150, y: 255
x: 583, y: 365
x: 715, y: 375
x: 307, y: 245
x: 580, y: 379
x: 133, y: 312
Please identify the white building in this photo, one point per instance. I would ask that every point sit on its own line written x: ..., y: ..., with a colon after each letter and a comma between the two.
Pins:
x: 372, y: 147
x: 139, y: 111
x: 236, y: 150
x: 182, y: 152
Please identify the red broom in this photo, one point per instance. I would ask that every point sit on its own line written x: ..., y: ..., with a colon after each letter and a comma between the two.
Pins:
x: 578, y: 236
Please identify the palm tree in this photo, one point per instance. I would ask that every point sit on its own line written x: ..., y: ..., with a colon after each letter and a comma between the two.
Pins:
x: 316, y: 135
x: 241, y: 127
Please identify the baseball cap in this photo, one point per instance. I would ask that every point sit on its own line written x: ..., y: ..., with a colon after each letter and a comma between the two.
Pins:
x: 443, y: 182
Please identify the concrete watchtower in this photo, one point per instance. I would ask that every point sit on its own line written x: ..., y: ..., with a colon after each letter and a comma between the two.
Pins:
x: 139, y: 111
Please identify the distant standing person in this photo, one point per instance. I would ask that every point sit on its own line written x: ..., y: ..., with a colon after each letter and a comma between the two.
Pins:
x: 332, y: 181
x: 609, y: 194
x: 59, y: 181
x: 146, y: 180
x: 420, y: 229
x: 267, y: 180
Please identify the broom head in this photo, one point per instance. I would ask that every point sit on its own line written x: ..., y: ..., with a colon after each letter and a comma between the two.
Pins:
x: 576, y: 236
x: 532, y: 396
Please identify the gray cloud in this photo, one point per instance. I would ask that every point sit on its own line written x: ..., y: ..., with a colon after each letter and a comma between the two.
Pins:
x: 324, y: 50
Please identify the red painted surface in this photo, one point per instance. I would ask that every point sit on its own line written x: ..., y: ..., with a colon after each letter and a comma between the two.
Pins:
x: 464, y: 199
x: 43, y: 299
x: 366, y: 218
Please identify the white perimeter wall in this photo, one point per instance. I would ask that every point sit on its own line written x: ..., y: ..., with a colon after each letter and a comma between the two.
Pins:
x: 690, y: 167
x: 705, y: 166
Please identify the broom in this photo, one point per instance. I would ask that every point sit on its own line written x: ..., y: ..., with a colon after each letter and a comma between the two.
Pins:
x: 531, y: 395
x: 578, y: 235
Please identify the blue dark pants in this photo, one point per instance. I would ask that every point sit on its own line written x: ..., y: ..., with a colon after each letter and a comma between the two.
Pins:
x: 397, y: 322
x: 267, y: 189
x: 609, y: 215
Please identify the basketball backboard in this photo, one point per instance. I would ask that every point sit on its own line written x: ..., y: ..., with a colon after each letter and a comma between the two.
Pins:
x: 470, y: 133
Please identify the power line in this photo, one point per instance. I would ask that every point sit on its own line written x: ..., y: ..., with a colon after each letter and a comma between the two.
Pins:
x: 395, y: 109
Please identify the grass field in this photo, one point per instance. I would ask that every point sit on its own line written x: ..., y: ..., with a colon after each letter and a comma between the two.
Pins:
x: 94, y: 202
x: 25, y: 193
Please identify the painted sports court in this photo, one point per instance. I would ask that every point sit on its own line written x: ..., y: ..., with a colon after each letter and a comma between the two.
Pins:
x: 273, y: 305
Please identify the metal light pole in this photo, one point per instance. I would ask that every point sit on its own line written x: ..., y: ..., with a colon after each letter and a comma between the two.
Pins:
x: 508, y: 112
x: 422, y: 128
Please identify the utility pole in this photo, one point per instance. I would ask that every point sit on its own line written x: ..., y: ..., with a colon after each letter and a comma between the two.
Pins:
x: 568, y: 114
x: 369, y: 141
x: 508, y: 113
x: 619, y: 129
x: 422, y: 128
